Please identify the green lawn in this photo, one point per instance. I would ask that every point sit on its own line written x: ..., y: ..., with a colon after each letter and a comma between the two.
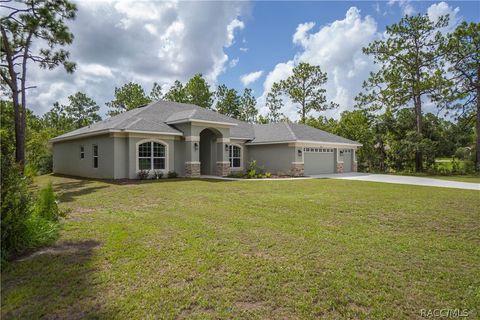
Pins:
x: 300, y: 249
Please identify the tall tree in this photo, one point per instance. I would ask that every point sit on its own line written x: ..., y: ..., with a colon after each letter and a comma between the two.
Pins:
x: 305, y: 87
x: 82, y: 110
x: 411, y: 67
x: 57, y: 119
x: 177, y: 93
x: 128, y: 97
x: 228, y: 101
x: 274, y: 103
x: 198, y: 92
x: 22, y: 26
x: 156, y: 93
x: 463, y: 53
x: 248, y: 111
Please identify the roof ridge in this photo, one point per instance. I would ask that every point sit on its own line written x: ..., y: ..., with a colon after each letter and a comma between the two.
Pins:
x: 287, y: 124
x: 131, y: 124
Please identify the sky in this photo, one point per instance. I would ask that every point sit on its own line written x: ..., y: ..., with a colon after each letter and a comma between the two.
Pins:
x: 240, y: 44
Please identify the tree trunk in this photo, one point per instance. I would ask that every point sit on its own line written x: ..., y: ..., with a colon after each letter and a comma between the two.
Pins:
x: 19, y: 132
x: 18, y: 114
x: 418, y: 123
x: 477, y: 157
x: 20, y: 146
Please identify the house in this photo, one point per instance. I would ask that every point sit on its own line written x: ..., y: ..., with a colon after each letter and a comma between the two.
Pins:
x: 194, y: 141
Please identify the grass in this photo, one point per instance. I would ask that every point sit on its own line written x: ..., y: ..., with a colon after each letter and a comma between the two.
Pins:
x: 205, y: 249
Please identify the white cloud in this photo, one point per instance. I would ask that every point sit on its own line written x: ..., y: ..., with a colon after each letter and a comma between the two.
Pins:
x: 405, y: 5
x: 232, y: 26
x: 118, y: 41
x: 337, y: 49
x: 436, y: 10
x: 233, y: 63
x: 301, y: 36
x: 244, y: 49
x: 250, y: 78
x: 96, y: 70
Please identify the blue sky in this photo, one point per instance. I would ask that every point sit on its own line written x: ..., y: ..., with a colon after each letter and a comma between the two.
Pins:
x: 268, y: 31
x: 117, y: 41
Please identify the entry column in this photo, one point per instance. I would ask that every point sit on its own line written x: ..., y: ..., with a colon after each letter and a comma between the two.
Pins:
x: 223, y: 161
x: 192, y: 160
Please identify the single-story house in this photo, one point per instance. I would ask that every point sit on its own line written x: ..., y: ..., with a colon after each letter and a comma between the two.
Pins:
x: 194, y: 141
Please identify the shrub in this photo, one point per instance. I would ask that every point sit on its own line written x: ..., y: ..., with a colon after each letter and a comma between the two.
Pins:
x: 40, y: 231
x: 172, y: 174
x: 254, y: 171
x: 47, y: 206
x: 157, y: 174
x: 16, y: 208
x: 469, y: 166
x: 237, y: 174
x: 143, y: 174
x: 268, y: 174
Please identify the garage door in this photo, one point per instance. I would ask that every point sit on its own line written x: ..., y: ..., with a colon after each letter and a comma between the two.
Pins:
x: 318, y: 161
x: 347, y: 160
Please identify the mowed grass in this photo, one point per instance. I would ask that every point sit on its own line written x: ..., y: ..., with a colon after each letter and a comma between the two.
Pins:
x: 201, y: 249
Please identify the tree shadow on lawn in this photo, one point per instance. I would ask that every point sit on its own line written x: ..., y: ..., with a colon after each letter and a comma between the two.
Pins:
x: 69, y: 190
x: 54, y: 282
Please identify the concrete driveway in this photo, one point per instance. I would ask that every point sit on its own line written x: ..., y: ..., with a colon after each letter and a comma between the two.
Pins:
x: 418, y: 181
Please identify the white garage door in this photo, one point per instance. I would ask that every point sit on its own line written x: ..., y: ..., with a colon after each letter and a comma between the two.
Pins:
x: 318, y: 161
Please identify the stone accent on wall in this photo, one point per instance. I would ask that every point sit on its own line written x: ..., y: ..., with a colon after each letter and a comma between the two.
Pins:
x: 297, y: 169
x: 354, y: 167
x: 339, y: 167
x: 223, y: 168
x: 192, y: 169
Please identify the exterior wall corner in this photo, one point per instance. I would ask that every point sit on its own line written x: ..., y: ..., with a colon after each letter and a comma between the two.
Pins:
x: 297, y: 169
x: 223, y: 168
x: 192, y: 169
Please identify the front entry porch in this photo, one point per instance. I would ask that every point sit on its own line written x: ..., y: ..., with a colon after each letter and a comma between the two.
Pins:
x: 207, y: 152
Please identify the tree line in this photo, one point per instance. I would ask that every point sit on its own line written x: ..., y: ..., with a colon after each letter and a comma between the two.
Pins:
x: 418, y: 64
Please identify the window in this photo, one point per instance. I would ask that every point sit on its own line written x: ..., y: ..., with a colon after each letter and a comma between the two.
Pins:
x: 151, y: 156
x: 318, y: 150
x: 82, y: 152
x: 235, y: 154
x: 95, y: 156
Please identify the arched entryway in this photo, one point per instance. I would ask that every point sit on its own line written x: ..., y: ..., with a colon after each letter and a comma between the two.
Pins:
x: 208, y: 151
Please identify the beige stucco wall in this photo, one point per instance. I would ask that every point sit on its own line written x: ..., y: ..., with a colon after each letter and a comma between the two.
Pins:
x: 66, y: 157
x: 275, y: 158
x: 132, y: 151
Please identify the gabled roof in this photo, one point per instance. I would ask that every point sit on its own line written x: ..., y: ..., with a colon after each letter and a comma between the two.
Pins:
x: 293, y: 132
x: 161, y: 116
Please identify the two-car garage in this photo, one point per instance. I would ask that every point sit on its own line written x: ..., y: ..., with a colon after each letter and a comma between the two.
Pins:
x: 322, y: 160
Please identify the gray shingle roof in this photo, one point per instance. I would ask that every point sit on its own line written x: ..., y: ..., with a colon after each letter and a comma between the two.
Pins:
x: 155, y: 118
x: 285, y: 131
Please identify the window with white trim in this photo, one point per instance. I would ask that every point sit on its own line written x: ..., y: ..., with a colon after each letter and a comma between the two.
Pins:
x: 235, y: 156
x: 82, y: 152
x: 95, y: 156
x: 151, y: 156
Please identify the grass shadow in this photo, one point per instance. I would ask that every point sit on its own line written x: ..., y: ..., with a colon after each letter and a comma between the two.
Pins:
x: 81, y: 182
x: 70, y: 190
x: 61, y: 288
